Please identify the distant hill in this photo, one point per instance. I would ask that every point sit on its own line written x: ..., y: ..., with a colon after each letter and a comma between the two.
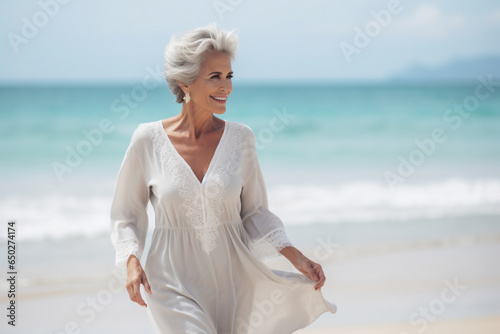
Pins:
x: 458, y: 70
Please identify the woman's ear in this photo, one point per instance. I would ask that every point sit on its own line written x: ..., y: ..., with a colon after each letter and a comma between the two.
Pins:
x: 183, y: 86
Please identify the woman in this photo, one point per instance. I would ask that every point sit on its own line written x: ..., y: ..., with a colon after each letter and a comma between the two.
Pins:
x: 203, y: 272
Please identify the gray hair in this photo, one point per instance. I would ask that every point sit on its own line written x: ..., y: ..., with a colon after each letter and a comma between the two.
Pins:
x: 185, y: 54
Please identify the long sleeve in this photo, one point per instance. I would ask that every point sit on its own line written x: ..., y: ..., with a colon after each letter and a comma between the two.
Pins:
x: 129, y: 218
x: 265, y: 230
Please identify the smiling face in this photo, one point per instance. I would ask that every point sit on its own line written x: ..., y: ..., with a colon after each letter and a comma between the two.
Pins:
x: 213, y: 85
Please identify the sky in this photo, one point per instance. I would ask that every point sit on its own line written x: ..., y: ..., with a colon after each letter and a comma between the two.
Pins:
x: 98, y: 41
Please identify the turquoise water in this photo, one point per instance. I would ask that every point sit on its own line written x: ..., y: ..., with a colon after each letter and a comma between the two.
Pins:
x: 326, y: 162
x: 331, y: 124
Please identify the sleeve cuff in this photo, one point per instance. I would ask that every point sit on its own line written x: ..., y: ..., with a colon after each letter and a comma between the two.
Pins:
x: 123, y: 251
x: 270, y: 245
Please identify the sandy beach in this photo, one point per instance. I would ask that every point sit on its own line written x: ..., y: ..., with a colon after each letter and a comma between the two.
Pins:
x: 483, y: 325
x: 377, y: 288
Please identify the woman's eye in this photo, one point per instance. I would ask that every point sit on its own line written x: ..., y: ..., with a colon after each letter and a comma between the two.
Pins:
x: 217, y: 76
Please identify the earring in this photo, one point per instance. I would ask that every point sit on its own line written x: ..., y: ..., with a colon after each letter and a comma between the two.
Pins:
x: 187, y: 97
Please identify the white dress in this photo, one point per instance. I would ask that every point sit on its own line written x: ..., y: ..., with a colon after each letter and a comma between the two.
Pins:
x: 204, y: 263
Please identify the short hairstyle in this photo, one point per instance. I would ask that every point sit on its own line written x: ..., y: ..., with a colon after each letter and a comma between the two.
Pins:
x: 185, y: 54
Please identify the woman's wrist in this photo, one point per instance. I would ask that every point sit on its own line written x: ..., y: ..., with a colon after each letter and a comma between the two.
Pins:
x: 292, y: 254
x: 133, y: 261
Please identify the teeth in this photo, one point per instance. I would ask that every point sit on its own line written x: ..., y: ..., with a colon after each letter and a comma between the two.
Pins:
x: 220, y: 98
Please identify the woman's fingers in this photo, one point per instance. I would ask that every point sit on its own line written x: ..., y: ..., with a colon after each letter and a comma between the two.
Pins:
x: 313, y: 271
x: 138, y: 297
x: 147, y: 287
x: 321, y: 282
x: 134, y: 288
x: 318, y: 272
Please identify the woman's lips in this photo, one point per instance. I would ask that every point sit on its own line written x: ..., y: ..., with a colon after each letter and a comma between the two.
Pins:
x: 219, y: 99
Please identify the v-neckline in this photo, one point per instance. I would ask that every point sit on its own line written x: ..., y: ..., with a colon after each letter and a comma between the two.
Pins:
x: 212, y: 161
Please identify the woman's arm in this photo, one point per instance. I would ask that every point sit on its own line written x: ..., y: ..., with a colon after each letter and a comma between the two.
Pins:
x: 266, y: 230
x: 129, y: 219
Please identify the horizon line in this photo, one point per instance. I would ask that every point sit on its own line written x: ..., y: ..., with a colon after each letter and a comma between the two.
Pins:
x: 263, y: 82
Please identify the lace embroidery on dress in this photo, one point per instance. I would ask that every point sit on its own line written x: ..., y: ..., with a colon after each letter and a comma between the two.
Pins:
x: 192, y: 194
x: 270, y: 245
x: 123, y: 250
x: 217, y: 183
x: 278, y: 239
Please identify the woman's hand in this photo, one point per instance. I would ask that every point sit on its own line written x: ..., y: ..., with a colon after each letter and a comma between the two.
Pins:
x: 135, y: 277
x: 307, y: 267
x: 312, y: 270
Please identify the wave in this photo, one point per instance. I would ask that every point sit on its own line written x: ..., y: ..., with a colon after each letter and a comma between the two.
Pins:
x: 58, y: 215
x: 375, y: 202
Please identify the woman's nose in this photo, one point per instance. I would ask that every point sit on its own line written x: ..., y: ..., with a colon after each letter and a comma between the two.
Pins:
x: 226, y: 85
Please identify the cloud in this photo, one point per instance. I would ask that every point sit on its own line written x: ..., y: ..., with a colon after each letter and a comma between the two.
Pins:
x: 428, y: 22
